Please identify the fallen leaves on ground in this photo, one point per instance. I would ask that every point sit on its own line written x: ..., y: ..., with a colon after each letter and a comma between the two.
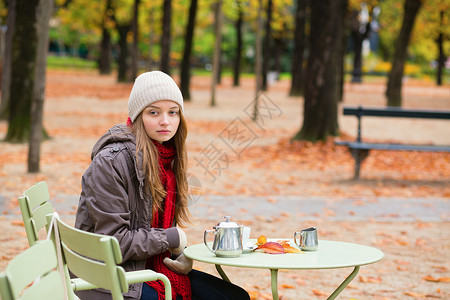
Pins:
x: 319, y: 292
x: 415, y: 295
x: 370, y: 279
x: 433, y: 279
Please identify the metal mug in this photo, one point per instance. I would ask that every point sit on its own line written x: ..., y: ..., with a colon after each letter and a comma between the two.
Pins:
x: 308, y: 239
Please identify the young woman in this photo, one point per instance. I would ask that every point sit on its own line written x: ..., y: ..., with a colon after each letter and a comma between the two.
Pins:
x: 136, y: 190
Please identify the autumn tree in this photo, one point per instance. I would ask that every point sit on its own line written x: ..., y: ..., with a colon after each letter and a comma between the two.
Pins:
x: 104, y: 60
x: 320, y: 105
x: 341, y: 45
x: 7, y: 61
x: 440, y: 45
x: 282, y: 28
x: 258, y: 60
x: 217, y: 51
x: 22, y: 70
x: 394, y: 86
x: 123, y: 26
x: 110, y: 19
x: 299, y: 49
x: 432, y: 34
x: 134, y: 47
x: 267, y: 45
x: 186, y: 61
x: 45, y: 10
x: 238, y: 50
x: 360, y: 16
x: 165, y: 37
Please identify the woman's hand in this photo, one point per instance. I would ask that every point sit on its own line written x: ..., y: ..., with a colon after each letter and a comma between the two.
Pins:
x: 182, y: 264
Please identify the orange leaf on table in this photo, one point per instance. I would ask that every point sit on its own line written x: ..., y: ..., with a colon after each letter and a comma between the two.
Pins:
x: 288, y: 248
x: 261, y: 240
x: 271, y: 248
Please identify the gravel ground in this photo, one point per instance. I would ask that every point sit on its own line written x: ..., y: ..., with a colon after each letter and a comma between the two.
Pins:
x: 400, y: 206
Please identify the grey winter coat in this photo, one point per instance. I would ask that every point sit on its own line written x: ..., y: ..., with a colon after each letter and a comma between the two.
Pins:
x: 113, y: 202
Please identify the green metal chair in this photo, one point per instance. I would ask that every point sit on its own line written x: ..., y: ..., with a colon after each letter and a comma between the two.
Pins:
x: 32, y: 275
x: 34, y: 207
x: 95, y: 259
x: 37, y: 214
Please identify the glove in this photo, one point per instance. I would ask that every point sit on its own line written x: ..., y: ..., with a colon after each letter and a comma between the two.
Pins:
x: 181, y: 265
x: 183, y: 243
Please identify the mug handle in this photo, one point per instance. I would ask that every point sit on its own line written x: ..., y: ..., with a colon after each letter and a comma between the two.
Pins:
x: 204, y: 239
x: 295, y: 239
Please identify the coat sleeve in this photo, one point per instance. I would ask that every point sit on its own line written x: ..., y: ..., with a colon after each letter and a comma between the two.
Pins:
x: 104, y: 208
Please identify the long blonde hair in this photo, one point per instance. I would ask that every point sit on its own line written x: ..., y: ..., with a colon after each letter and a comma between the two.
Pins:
x: 150, y: 158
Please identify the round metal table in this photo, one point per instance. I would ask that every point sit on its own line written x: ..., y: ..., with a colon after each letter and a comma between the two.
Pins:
x: 330, y: 255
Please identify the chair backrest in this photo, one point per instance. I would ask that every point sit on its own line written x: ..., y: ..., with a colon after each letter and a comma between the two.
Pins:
x: 93, y: 257
x: 32, y: 275
x: 34, y: 207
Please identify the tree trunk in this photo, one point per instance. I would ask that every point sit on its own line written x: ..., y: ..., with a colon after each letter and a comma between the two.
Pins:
x: 151, y: 17
x: 122, y: 74
x: 45, y: 11
x: 278, y: 49
x: 340, y: 48
x: 104, y: 62
x: 134, y: 48
x: 299, y: 49
x: 185, y: 77
x: 440, y: 46
x: 359, y: 33
x: 238, y: 55
x: 23, y: 68
x: 216, y: 58
x: 165, y: 37
x: 266, y: 48
x: 394, y: 86
x: 7, y: 61
x: 320, y: 106
x: 258, y: 62
x: 357, y: 58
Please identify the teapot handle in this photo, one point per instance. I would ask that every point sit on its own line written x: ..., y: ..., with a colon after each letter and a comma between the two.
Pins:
x: 204, y: 239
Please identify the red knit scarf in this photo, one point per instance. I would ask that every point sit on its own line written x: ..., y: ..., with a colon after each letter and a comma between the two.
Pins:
x: 164, y: 219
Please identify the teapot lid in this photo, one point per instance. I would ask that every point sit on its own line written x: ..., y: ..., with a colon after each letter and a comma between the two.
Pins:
x: 227, y: 223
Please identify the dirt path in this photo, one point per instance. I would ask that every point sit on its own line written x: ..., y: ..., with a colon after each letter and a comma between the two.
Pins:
x: 81, y: 106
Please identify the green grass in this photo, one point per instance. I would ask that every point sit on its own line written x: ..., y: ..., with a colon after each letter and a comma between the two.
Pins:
x: 67, y: 62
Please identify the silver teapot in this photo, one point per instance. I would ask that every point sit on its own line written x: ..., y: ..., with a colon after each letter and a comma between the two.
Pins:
x: 227, y: 239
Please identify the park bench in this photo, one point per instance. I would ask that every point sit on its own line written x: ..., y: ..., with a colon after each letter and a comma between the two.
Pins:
x: 360, y: 149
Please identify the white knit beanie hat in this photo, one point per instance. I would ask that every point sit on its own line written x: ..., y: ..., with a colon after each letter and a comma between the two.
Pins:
x: 150, y: 87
